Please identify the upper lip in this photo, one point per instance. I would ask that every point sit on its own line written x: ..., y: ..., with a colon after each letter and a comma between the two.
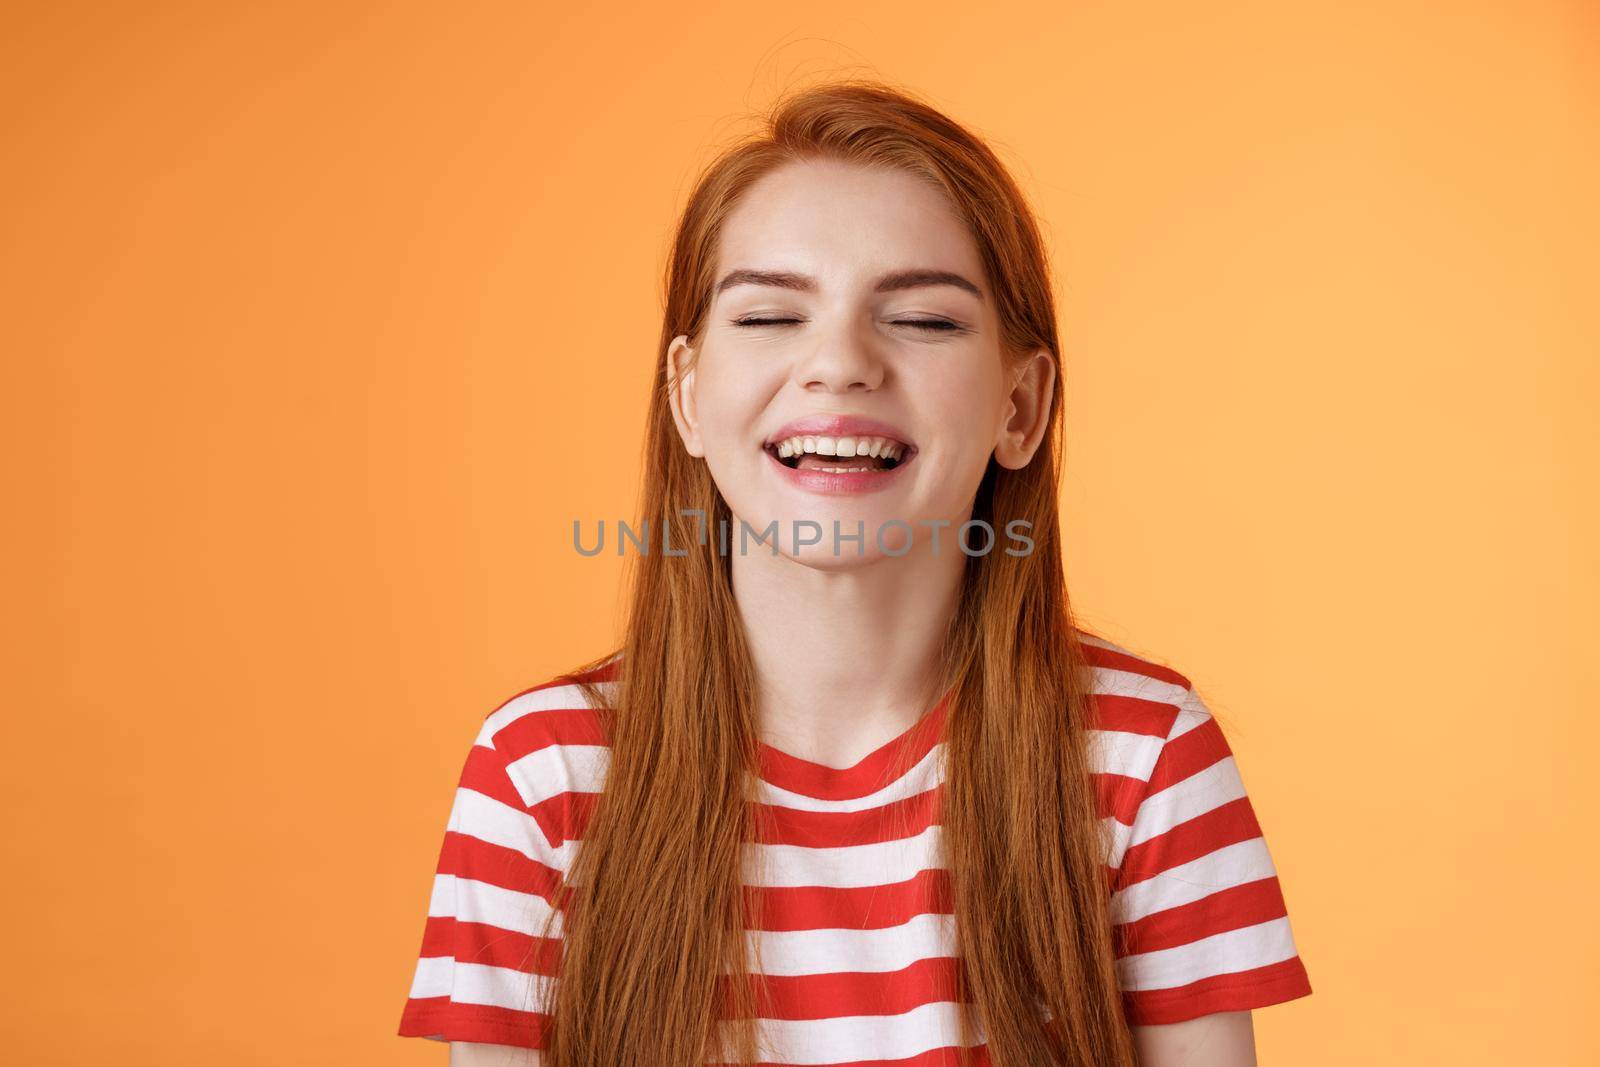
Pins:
x: 836, y: 426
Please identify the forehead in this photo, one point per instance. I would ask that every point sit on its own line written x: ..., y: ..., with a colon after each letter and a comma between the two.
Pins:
x: 835, y: 220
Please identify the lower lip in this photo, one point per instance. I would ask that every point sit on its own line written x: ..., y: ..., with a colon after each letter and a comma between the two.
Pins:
x: 814, y: 481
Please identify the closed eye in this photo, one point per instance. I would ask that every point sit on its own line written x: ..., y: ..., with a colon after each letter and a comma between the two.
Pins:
x: 935, y: 325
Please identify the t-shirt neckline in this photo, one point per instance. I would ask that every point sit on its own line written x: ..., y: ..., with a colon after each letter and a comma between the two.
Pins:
x: 867, y: 775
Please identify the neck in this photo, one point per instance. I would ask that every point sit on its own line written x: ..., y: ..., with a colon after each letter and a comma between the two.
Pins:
x: 845, y: 660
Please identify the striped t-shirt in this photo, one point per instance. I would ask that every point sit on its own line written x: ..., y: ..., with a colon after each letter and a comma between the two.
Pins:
x: 857, y: 939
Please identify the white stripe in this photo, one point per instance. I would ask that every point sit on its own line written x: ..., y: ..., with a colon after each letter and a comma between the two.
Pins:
x: 838, y: 950
x: 487, y: 819
x: 846, y: 867
x: 1117, y: 835
x: 479, y: 983
x: 851, y: 866
x: 1226, y: 953
x: 555, y: 769
x: 442, y: 897
x: 1179, y: 802
x: 1110, y: 681
x: 1099, y: 642
x: 843, y: 1039
x: 432, y: 977
x: 1192, y: 712
x: 1119, y: 752
x: 471, y: 901
x: 1247, y: 861
x: 924, y: 775
x: 555, y: 698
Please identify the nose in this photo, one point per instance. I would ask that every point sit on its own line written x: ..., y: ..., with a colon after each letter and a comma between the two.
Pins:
x: 842, y: 363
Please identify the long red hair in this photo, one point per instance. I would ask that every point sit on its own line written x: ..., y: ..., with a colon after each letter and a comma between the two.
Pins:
x: 654, y: 911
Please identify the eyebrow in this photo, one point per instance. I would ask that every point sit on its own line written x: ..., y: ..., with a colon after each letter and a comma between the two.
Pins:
x: 891, y: 282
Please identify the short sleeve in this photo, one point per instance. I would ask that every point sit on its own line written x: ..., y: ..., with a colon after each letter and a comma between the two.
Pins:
x: 483, y: 971
x: 1199, y: 915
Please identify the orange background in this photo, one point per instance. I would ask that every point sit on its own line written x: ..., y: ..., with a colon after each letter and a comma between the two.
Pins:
x: 323, y: 321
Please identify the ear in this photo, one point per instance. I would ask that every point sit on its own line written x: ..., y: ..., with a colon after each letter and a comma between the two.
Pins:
x: 680, y: 393
x: 1027, y: 410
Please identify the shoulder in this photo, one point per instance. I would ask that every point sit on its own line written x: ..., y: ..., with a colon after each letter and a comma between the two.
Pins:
x: 548, y: 745
x: 1136, y: 694
x: 562, y: 710
x: 1148, y: 730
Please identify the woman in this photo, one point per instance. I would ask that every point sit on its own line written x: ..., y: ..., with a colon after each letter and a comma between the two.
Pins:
x: 854, y: 748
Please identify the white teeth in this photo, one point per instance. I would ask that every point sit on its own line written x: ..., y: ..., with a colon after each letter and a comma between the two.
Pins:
x: 880, y: 447
x: 840, y: 446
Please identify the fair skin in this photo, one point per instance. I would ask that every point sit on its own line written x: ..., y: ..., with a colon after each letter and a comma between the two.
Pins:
x: 846, y: 349
x: 816, y: 333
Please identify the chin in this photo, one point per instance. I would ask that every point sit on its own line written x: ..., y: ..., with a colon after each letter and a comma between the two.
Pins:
x: 822, y: 558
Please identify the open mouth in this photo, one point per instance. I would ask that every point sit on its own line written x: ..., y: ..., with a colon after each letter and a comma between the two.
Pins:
x: 841, y: 455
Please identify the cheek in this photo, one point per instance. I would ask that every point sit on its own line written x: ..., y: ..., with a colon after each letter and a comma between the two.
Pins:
x: 728, y: 409
x: 970, y: 406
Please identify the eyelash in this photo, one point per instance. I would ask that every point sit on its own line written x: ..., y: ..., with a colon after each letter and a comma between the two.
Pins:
x: 931, y: 325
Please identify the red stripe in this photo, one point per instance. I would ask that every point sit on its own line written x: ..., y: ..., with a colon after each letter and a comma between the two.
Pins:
x: 1117, y: 795
x: 1241, y: 991
x: 863, y: 908
x: 490, y: 946
x: 1122, y: 661
x: 550, y: 726
x: 608, y: 671
x: 868, y: 775
x: 441, y: 1017
x: 1226, y: 824
x: 772, y: 907
x: 1188, y: 754
x: 469, y: 857
x: 832, y: 996
x: 1233, y: 908
x: 1131, y: 715
x: 565, y: 816
x: 901, y: 819
x: 485, y: 772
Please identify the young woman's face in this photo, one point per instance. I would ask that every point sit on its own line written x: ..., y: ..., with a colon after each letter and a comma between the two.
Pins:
x: 849, y: 369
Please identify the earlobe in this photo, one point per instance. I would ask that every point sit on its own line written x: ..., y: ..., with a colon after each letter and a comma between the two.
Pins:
x: 1027, y: 415
x: 680, y: 393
